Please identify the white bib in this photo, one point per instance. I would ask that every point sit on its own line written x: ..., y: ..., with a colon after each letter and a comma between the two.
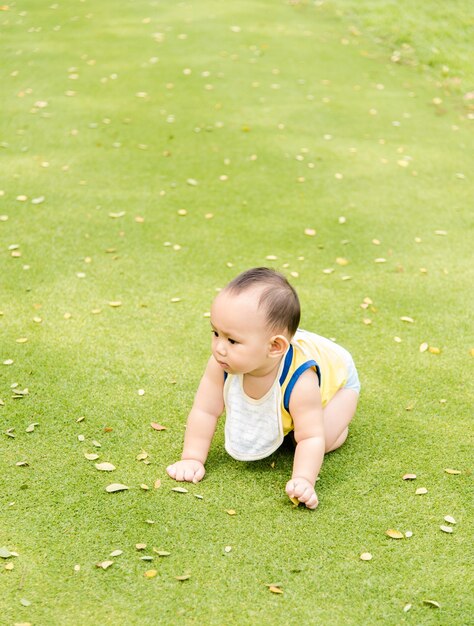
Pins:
x: 253, y: 428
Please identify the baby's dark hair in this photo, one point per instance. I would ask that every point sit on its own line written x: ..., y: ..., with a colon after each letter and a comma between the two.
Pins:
x: 278, y: 297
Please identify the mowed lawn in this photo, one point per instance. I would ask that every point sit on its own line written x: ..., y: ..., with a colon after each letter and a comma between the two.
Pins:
x: 149, y: 152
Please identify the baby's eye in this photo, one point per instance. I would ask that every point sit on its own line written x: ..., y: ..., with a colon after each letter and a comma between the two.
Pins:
x: 232, y: 341
x: 215, y: 333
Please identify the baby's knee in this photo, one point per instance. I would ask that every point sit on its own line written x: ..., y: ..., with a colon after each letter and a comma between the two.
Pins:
x: 339, y: 441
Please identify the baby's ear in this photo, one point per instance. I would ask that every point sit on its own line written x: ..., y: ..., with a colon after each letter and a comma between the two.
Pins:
x: 278, y: 346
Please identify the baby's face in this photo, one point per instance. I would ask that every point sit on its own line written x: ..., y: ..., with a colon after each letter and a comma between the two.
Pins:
x: 240, y: 335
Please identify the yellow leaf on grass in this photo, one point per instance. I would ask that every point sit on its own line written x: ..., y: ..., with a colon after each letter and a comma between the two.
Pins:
x: 140, y: 546
x: 405, y: 318
x: 454, y: 472
x: 274, y: 589
x: 433, y: 603
x: 365, y: 556
x: 105, y: 467
x: 184, y: 577
x: 231, y: 512
x: 446, y: 529
x: 450, y: 519
x: 342, y: 261
x: 409, y: 476
x: 179, y: 489
x: 151, y: 573
x: 434, y: 350
x: 104, y: 564
x: 424, y: 347
x: 394, y: 534
x: 421, y: 491
x: 115, y: 487
x: 91, y: 457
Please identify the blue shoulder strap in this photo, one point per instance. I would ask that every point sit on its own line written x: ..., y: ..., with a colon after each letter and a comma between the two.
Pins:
x: 286, y: 366
x: 293, y: 380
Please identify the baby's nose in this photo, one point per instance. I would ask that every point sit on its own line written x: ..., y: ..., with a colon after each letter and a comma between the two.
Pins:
x: 221, y: 347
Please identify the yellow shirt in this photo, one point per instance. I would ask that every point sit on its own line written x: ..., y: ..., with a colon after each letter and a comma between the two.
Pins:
x: 308, y: 350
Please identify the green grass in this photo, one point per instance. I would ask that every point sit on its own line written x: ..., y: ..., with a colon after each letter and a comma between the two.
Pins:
x: 292, y: 76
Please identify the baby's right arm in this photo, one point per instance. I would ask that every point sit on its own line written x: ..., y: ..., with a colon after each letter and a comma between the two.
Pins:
x: 201, y: 425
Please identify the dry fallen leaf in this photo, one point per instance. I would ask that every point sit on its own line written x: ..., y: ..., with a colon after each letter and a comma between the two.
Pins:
x: 449, y: 519
x: 394, y: 534
x: 446, y: 529
x: 275, y: 589
x: 231, y: 512
x: 157, y: 426
x: 452, y: 471
x: 105, y: 467
x: 116, y: 553
x: 91, y: 457
x: 104, y: 564
x: 405, y: 318
x: 421, y: 491
x: 115, y: 487
x: 142, y: 456
x: 409, y: 476
x: 184, y: 577
x: 140, y: 546
x: 31, y: 427
x: 157, y: 483
x: 179, y: 489
x: 365, y: 556
x: 151, y: 573
x: 161, y: 552
x: 424, y: 347
x: 433, y: 603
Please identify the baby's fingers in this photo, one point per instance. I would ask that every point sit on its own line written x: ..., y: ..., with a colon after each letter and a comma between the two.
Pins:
x: 199, y: 474
x: 171, y: 471
x: 312, y: 502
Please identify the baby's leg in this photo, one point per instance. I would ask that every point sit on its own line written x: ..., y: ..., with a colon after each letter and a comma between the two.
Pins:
x: 337, y: 414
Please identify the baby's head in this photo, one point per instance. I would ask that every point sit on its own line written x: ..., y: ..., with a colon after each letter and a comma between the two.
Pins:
x: 253, y: 319
x: 274, y: 296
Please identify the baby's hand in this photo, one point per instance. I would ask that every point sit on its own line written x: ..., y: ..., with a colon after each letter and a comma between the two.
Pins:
x: 303, y: 490
x: 187, y: 470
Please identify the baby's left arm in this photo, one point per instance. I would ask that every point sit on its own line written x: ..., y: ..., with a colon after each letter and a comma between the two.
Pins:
x: 307, y: 413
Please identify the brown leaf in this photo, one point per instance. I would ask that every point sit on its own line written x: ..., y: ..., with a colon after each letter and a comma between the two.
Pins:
x: 157, y: 426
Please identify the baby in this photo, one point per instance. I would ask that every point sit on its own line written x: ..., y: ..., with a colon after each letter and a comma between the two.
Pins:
x: 272, y: 378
